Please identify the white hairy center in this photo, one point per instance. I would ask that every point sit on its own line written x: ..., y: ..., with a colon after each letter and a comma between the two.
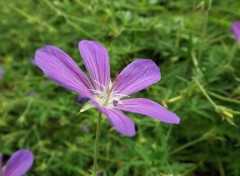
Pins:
x: 106, y: 97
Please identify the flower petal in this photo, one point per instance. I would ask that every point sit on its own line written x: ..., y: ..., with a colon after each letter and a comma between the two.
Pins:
x: 149, y: 108
x: 19, y: 163
x: 235, y: 27
x: 137, y: 76
x: 122, y: 123
x: 0, y: 164
x: 96, y: 60
x: 60, y: 67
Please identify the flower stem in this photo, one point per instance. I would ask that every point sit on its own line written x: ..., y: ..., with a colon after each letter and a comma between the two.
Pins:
x: 97, y: 145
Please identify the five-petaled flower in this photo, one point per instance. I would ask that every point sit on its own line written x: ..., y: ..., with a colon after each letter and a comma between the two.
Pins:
x: 108, y: 97
x: 235, y: 27
x: 19, y: 163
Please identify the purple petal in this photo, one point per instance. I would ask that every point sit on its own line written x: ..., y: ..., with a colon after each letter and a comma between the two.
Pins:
x: 235, y: 27
x: 149, y: 108
x: 96, y: 60
x: 19, y: 163
x: 85, y: 128
x: 58, y: 66
x: 0, y: 164
x: 1, y: 73
x: 137, y: 76
x: 122, y: 123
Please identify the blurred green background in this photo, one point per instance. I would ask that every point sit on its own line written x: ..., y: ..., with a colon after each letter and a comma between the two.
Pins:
x: 199, y: 60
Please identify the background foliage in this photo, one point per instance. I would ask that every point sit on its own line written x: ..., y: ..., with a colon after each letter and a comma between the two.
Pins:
x: 199, y: 61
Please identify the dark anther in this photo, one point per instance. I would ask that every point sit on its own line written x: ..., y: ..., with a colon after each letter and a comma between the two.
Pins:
x: 115, y: 102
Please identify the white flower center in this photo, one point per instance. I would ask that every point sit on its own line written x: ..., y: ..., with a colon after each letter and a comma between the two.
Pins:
x: 106, y: 97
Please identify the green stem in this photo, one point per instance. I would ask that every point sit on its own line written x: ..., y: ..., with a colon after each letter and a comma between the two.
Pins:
x: 212, y: 132
x: 234, y: 112
x: 230, y: 57
x: 205, y: 93
x: 220, y: 166
x: 97, y: 145
x: 232, y: 53
x: 187, y: 145
x: 204, y: 31
x: 223, y: 98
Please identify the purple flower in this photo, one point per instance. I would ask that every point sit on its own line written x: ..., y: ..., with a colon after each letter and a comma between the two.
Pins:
x: 235, y: 27
x: 109, y: 98
x: 85, y: 128
x: 32, y: 94
x: 82, y: 99
x: 19, y: 163
x: 1, y: 73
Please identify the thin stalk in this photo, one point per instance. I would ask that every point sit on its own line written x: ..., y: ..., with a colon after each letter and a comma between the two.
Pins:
x: 223, y: 98
x: 97, y: 145
x: 187, y: 145
x: 234, y: 112
x: 230, y: 57
x: 203, y: 34
x: 205, y: 93
x: 220, y: 166
x: 232, y: 53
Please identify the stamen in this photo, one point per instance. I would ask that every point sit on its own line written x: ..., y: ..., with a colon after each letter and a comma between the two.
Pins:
x: 123, y: 95
x: 100, y: 84
x: 96, y: 91
x: 115, y: 93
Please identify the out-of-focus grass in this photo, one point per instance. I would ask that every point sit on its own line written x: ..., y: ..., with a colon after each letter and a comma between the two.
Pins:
x: 200, y: 82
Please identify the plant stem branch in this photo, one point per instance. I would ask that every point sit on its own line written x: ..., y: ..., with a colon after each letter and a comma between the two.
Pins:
x: 231, y: 100
x: 205, y: 93
x: 187, y: 145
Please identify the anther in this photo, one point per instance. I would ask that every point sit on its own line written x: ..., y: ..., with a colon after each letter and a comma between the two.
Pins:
x: 115, y: 102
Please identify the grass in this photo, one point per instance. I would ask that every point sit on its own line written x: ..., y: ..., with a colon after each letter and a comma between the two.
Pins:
x: 199, y: 61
